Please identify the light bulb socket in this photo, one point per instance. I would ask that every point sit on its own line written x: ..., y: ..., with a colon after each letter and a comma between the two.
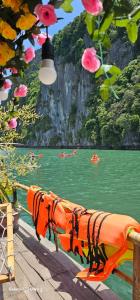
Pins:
x: 47, y: 63
x: 47, y: 50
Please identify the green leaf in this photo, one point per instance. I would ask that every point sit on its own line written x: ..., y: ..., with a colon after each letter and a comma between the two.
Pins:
x: 132, y: 30
x: 106, y: 42
x: 136, y: 17
x: 90, y: 23
x: 99, y: 72
x: 104, y: 92
x: 67, y: 6
x: 96, y: 35
x: 103, y: 69
x: 115, y: 70
x: 107, y: 20
x: 121, y: 23
x: 110, y: 81
x: 58, y: 4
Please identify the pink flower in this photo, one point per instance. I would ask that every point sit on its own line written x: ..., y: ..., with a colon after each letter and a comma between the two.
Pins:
x: 46, y: 14
x: 37, y: 8
x: 14, y: 70
x: 21, y: 91
x: 41, y: 38
x: 93, y: 7
x: 90, y: 62
x: 12, y: 124
x: 34, y: 35
x: 7, y: 84
x: 29, y: 55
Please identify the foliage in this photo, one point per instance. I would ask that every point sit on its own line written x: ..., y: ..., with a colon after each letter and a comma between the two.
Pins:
x: 33, y: 87
x: 25, y: 114
x: 13, y: 165
x: 117, y: 14
x: 110, y: 122
x: 69, y: 43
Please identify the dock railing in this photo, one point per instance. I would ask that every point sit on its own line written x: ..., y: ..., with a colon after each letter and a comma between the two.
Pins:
x: 7, y: 264
x: 134, y: 237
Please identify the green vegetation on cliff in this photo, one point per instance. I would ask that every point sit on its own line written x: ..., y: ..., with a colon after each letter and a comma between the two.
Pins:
x: 69, y: 43
x: 113, y: 122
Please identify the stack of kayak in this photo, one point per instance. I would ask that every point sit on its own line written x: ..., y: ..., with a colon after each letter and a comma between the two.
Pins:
x: 98, y: 237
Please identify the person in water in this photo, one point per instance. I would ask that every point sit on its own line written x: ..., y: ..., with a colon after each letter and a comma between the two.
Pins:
x: 95, y: 157
x: 32, y: 155
x: 74, y: 152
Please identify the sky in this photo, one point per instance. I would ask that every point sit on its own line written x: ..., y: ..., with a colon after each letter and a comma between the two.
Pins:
x: 68, y: 17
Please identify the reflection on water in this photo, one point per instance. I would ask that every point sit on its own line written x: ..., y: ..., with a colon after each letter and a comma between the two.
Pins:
x: 111, y: 185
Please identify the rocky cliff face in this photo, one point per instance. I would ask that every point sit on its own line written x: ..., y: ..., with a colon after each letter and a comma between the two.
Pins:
x: 62, y: 106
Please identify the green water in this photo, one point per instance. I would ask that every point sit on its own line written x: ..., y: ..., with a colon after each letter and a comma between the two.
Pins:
x: 112, y: 185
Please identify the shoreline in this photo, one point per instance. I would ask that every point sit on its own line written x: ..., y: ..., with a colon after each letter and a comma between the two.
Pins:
x: 79, y: 147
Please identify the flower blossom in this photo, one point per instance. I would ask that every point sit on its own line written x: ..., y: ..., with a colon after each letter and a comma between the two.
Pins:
x: 93, y: 7
x: 29, y: 55
x: 46, y: 14
x: 26, y: 21
x: 6, y: 53
x: 12, y: 124
x: 41, y: 38
x: 7, y: 84
x: 90, y: 61
x: 20, y: 91
x: 13, y: 4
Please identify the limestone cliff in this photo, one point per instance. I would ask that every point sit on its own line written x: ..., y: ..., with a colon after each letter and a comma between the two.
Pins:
x: 62, y: 106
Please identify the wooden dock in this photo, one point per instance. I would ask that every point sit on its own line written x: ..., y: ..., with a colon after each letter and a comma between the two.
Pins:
x: 41, y: 273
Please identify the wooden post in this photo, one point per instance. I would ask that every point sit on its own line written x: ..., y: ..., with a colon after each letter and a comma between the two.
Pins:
x: 136, y: 272
x: 10, y: 241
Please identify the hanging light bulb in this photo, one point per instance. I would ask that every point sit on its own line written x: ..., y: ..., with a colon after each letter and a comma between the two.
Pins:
x: 47, y: 72
x: 3, y: 94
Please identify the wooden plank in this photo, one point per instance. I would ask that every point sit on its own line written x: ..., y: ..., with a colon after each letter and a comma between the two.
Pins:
x: 47, y: 292
x: 136, y: 273
x: 21, y: 296
x: 70, y: 287
x: 9, y: 291
x: 29, y: 271
x: 26, y: 233
x: 24, y: 284
x: 44, y: 290
x: 10, y: 241
x: 46, y: 270
x: 45, y: 259
x: 134, y: 237
x: 3, y: 206
x: 68, y: 263
x: 5, y: 278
